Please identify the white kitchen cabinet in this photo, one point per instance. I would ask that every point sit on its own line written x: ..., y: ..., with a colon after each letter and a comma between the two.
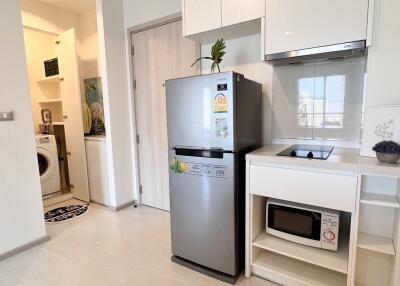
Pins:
x: 302, y: 24
x: 305, y: 187
x: 240, y: 11
x: 208, y: 15
x: 201, y: 16
x: 97, y: 169
x: 366, y: 192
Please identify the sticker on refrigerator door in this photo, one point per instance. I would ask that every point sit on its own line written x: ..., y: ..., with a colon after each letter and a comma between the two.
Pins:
x: 178, y: 166
x: 221, y: 128
x: 220, y: 103
x: 199, y: 169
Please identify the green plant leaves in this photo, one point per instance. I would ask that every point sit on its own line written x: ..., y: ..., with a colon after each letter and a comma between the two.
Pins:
x: 218, y: 51
x: 217, y: 54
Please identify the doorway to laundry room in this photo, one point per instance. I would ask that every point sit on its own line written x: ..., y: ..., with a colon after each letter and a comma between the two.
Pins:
x: 61, y: 46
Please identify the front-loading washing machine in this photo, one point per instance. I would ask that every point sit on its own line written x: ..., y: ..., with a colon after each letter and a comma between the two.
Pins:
x: 46, y: 147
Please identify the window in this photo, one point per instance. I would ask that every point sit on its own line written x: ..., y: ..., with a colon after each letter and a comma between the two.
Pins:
x: 321, y: 102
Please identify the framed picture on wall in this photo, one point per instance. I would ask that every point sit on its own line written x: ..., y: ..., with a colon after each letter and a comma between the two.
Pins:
x: 381, y: 124
x: 94, y: 100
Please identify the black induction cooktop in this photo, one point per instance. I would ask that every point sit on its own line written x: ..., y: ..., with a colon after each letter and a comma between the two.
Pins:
x: 307, y: 151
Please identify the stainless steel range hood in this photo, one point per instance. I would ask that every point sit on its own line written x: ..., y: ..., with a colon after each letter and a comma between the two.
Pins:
x: 345, y: 50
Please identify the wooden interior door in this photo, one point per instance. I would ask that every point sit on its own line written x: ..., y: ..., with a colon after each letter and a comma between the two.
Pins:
x: 73, y: 118
x: 160, y: 53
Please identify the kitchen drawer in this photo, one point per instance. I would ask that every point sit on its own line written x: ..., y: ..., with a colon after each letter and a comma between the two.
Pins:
x: 327, y: 190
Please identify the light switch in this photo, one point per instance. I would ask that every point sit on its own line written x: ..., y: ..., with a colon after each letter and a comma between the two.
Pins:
x: 6, y: 116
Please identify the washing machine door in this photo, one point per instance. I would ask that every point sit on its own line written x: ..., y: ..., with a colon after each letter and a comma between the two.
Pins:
x: 45, y: 163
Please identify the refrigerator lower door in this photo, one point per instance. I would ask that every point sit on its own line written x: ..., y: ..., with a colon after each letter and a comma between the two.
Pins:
x: 203, y: 216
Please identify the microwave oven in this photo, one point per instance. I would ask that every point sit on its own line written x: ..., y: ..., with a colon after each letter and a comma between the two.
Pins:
x: 303, y: 224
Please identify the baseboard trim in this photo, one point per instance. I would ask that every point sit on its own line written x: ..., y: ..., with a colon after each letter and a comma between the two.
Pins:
x: 123, y: 206
x: 24, y: 247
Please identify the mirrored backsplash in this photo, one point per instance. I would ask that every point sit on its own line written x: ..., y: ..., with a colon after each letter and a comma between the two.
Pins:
x: 319, y: 101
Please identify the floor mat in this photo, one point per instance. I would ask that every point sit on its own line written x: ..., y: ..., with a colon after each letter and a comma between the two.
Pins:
x: 67, y: 213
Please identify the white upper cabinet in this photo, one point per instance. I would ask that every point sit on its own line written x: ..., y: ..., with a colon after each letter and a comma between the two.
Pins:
x: 301, y: 24
x: 240, y: 11
x: 206, y: 15
x: 201, y: 16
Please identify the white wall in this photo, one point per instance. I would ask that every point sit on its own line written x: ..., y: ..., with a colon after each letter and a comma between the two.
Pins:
x: 89, y: 45
x: 138, y: 11
x: 36, y: 14
x: 21, y: 210
x: 383, y: 56
x: 117, y: 100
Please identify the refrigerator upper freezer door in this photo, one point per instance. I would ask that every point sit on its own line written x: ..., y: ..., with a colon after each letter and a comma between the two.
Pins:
x: 203, y: 210
x: 201, y: 112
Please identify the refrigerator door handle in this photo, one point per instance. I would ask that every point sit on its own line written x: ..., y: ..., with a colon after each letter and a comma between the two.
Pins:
x: 217, y: 154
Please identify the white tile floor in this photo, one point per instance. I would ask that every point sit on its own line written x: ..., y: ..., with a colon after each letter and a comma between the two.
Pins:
x: 131, y: 247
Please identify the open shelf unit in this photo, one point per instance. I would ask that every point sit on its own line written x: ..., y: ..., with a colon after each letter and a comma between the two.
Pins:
x: 379, y: 200
x: 376, y: 243
x: 289, y: 263
x: 378, y: 231
x: 295, y: 272
x: 336, y: 261
x: 50, y: 79
x: 368, y: 254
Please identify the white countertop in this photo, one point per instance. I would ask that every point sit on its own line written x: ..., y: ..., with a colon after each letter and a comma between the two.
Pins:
x: 341, y: 159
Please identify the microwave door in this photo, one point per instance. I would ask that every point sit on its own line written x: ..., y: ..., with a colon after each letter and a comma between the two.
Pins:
x: 294, y: 224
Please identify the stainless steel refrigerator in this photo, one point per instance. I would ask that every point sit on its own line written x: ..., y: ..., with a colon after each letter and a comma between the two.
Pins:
x: 213, y: 121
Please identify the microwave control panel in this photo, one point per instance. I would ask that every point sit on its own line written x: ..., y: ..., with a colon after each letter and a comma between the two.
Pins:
x: 330, y: 230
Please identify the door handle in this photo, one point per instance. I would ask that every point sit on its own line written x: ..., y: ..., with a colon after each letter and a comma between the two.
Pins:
x: 217, y: 154
x: 69, y: 153
x: 65, y: 116
x: 61, y: 79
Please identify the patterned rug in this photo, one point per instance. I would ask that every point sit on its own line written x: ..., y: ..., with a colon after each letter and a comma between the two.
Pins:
x: 66, y: 213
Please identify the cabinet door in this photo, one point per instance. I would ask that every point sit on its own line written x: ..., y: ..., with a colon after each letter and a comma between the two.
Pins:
x: 301, y: 24
x: 97, y: 170
x: 239, y: 11
x: 72, y: 109
x: 201, y: 16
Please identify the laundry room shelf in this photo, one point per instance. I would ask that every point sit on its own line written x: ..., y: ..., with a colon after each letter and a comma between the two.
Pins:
x: 376, y: 243
x: 336, y: 261
x: 50, y: 79
x: 56, y: 100
x: 58, y: 123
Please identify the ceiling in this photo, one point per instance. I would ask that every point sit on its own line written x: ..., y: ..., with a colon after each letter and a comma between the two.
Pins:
x: 77, y: 6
